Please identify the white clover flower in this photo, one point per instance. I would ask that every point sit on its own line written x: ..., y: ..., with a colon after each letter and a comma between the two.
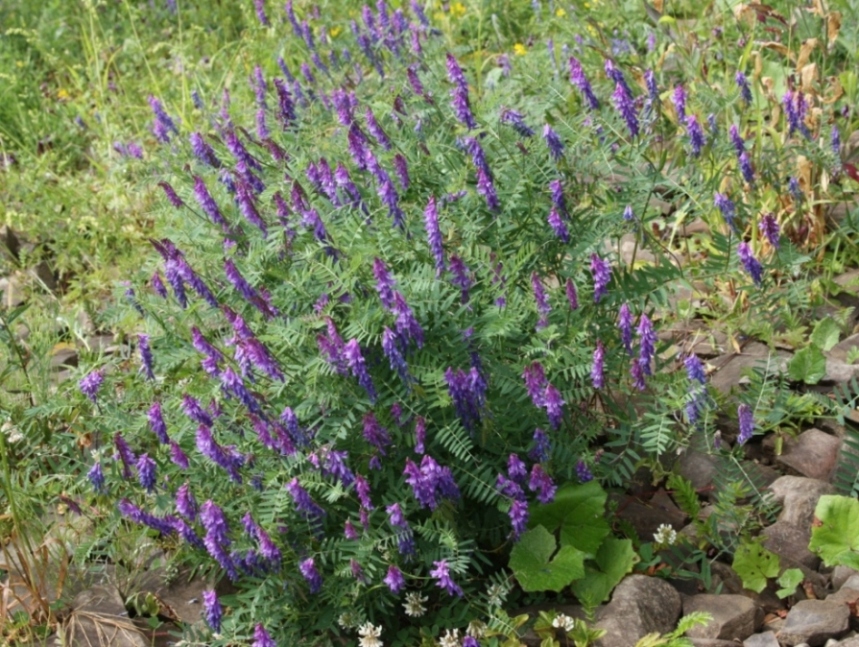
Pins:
x: 414, y: 605
x: 450, y: 639
x: 476, y: 629
x: 665, y: 534
x: 370, y: 635
x: 563, y: 621
x: 349, y: 619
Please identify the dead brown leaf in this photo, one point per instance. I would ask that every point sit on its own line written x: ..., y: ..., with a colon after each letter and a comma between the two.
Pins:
x: 808, y: 76
x: 833, y: 26
x: 805, y: 51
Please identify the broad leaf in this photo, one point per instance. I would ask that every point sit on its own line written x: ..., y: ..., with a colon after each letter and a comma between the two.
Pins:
x: 836, y: 539
x: 579, y: 512
x: 825, y: 334
x: 788, y: 581
x: 538, y: 568
x: 755, y: 564
x: 808, y: 365
x: 614, y: 559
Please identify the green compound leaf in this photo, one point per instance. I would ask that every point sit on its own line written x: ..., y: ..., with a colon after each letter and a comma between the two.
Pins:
x: 836, y: 539
x: 535, y: 568
x: 614, y: 559
x: 825, y: 334
x: 808, y: 365
x: 755, y: 564
x: 579, y: 512
x: 788, y: 581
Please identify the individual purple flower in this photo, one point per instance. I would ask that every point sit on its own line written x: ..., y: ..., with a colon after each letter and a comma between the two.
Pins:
x: 554, y: 143
x: 518, y: 514
x: 598, y: 366
x: 628, y: 213
x: 646, y: 344
x: 304, y: 504
x: 191, y: 407
x: 679, y: 99
x: 750, y: 263
x: 394, y: 580
x: 554, y: 405
x: 583, y: 472
x: 601, y: 271
x: 349, y: 531
x: 391, y: 348
x: 441, y: 574
x: 212, y: 610
x: 177, y: 456
x: 384, y: 283
x: 461, y: 106
x: 146, y: 472
x: 624, y: 323
x: 401, y: 167
x: 743, y: 84
x: 724, y: 204
x: 795, y: 108
x: 146, y: 360
x: 713, y: 125
x: 485, y: 185
x: 355, y: 361
x: 362, y: 489
x: 572, y: 294
x: 430, y: 481
x: 247, y: 207
x: 695, y: 370
x: 835, y: 143
x: 158, y: 285
x: 542, y: 300
x: 468, y: 392
x: 376, y: 130
x: 747, y: 423
x: 90, y: 383
x: 578, y: 78
x: 261, y: 636
x: 794, y: 189
x: 186, y: 504
x: 202, y: 151
x: 696, y: 134
x: 219, y: 455
x: 461, y: 276
x: 164, y: 123
x: 286, y: 106
x: 737, y: 140
x: 515, y: 120
x: 96, y: 478
x: 262, y: 126
x: 541, y: 483
x: 558, y: 226
x: 259, y: 5
x: 207, y: 202
x: 395, y: 516
x: 542, y: 448
x: 126, y: 456
x: 420, y: 434
x: 624, y: 104
x: 509, y: 487
x: 374, y: 433
x: 535, y: 382
x: 769, y: 228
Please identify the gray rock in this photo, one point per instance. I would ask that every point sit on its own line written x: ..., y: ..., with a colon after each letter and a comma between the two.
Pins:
x: 840, y: 575
x: 734, y: 616
x: 813, y: 453
x: 790, y: 542
x: 640, y: 605
x: 798, y: 496
x: 647, y: 516
x: 851, y: 582
x: 814, y: 622
x: 850, y: 642
x: 99, y: 618
x: 733, y: 367
x: 712, y: 642
x: 697, y: 467
x: 845, y: 595
x: 765, y: 639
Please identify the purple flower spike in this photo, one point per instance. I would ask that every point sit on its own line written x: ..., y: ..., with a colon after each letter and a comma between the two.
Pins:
x: 394, y: 580
x: 461, y: 276
x: 747, y: 423
x: 572, y: 294
x: 401, y: 167
x: 679, y: 98
x: 355, y: 361
x: 542, y: 300
x: 598, y: 366
x: 646, y: 344
x: 518, y: 514
x: 558, y: 226
x: 146, y: 360
x: 628, y: 213
x: 203, y: 152
x: 516, y: 468
x: 212, y: 610
x: 535, y: 382
x: 601, y: 271
x: 434, y: 235
x: 553, y: 141
x: 177, y: 456
x: 384, y: 283
x: 261, y: 636
x: 769, y: 228
x: 515, y: 120
x: 259, y: 5
x: 542, y: 447
x: 96, y: 478
x: 556, y: 187
x: 186, y: 504
x: 554, y: 405
x: 743, y: 84
x: 207, y: 202
x: 375, y: 434
x: 146, y: 472
x: 696, y: 134
x: 420, y: 435
x: 376, y: 130
x: 746, y: 168
x: 441, y: 574
x: 750, y: 263
x: 90, y: 383
x: 542, y: 483
x: 624, y: 323
x: 583, y: 472
x: 724, y: 204
x: 695, y: 369
x: 625, y: 105
x: 578, y: 78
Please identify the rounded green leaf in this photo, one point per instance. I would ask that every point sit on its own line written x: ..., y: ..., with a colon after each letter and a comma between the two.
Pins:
x: 836, y: 538
x: 538, y: 567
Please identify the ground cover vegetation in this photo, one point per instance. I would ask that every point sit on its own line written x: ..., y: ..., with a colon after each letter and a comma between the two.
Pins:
x: 366, y: 302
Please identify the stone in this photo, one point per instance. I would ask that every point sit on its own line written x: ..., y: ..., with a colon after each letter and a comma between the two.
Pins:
x: 734, y: 616
x: 814, y: 622
x: 734, y: 366
x: 180, y: 599
x: 697, y: 467
x: 647, y: 516
x: 813, y: 454
x: 850, y: 642
x: 640, y: 605
x: 790, y: 543
x: 851, y: 582
x: 845, y: 595
x: 839, y: 371
x: 765, y: 639
x: 712, y: 642
x: 798, y: 496
x: 840, y: 575
x: 842, y: 349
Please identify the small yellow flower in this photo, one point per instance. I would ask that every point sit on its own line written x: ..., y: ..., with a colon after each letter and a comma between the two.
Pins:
x: 519, y: 49
x: 560, y: 12
x: 457, y: 9
x: 63, y: 94
x: 334, y: 32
